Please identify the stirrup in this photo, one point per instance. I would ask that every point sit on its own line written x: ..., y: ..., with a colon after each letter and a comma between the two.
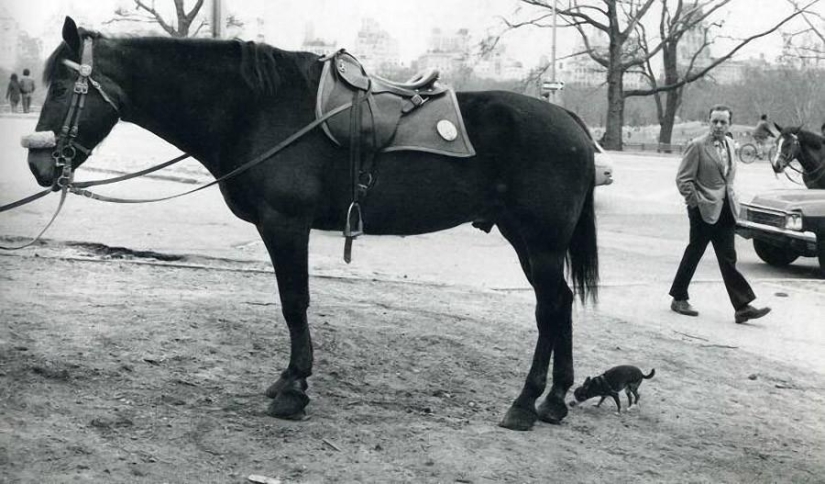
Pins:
x: 354, y: 209
x: 349, y: 234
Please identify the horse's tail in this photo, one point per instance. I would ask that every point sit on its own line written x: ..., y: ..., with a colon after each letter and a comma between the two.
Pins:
x: 649, y: 375
x: 583, y: 252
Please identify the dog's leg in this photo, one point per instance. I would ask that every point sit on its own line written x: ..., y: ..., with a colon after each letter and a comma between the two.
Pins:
x: 600, y: 401
x: 618, y: 403
x: 629, y: 397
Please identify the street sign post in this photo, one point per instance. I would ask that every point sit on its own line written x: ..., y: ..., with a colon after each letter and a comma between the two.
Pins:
x: 549, y: 86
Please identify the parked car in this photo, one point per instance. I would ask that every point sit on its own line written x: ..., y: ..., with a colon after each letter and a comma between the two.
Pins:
x: 784, y: 225
x: 604, y: 166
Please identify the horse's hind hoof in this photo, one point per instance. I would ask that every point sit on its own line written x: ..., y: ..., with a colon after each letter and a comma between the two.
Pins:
x: 552, y: 411
x: 289, y: 405
x: 518, y: 418
x: 285, y: 383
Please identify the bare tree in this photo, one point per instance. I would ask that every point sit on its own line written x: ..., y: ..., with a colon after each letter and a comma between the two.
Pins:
x: 678, y: 19
x: 147, y: 12
x: 628, y: 50
x: 806, y: 45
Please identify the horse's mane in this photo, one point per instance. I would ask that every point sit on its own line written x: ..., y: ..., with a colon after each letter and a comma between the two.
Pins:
x: 807, y: 138
x: 262, y: 67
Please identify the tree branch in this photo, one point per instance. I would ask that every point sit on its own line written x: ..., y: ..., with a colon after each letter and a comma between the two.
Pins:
x: 692, y: 77
x: 154, y: 13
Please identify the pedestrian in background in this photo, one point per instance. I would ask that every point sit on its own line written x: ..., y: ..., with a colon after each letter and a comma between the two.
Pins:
x: 27, y: 87
x: 761, y: 133
x: 13, y: 92
x: 705, y: 180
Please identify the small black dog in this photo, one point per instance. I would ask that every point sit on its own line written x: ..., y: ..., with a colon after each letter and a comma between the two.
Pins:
x: 610, y: 383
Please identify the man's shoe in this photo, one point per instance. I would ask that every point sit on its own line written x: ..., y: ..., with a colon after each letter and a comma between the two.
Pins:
x: 683, y: 307
x: 750, y: 312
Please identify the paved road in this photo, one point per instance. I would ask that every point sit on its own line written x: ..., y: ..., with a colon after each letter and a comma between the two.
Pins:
x: 642, y: 233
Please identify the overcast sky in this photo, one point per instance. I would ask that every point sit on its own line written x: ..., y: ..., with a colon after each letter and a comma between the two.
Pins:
x: 409, y: 21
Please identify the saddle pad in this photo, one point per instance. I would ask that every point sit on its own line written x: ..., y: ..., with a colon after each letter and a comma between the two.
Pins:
x: 434, y: 127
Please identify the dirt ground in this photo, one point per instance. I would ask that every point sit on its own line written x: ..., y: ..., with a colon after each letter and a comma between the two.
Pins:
x: 119, y: 367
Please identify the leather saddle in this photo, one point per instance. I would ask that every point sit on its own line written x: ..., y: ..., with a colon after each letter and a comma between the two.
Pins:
x: 419, y: 115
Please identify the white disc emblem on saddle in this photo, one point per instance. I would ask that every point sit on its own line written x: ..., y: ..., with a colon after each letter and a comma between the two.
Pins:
x: 447, y: 130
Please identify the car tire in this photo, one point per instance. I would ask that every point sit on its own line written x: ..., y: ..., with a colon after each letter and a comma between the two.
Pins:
x: 774, y: 255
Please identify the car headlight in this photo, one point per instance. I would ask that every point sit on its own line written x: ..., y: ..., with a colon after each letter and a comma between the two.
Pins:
x: 793, y: 221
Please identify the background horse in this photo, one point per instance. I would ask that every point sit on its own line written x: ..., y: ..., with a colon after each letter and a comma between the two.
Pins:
x: 807, y: 147
x: 226, y: 102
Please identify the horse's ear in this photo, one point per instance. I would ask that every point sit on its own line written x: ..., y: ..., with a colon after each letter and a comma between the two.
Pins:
x: 70, y: 34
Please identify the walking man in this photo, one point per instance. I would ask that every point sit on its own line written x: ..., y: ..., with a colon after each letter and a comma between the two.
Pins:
x: 705, y: 180
x: 27, y: 87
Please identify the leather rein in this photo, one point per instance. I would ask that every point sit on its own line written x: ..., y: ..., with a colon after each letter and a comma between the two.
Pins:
x: 67, y: 147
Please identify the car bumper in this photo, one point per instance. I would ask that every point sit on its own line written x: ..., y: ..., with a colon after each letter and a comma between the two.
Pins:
x: 803, y: 243
x: 604, y: 175
x: 748, y: 229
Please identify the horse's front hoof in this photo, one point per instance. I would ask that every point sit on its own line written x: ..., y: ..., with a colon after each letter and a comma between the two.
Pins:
x: 518, y: 418
x: 276, y: 388
x: 289, y: 405
x: 552, y: 411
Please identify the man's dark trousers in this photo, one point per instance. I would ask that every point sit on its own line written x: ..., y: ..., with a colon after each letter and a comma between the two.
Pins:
x: 721, y: 235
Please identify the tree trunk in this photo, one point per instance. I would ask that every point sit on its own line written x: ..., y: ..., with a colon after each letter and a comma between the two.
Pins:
x: 672, y: 101
x: 615, y: 112
x: 673, y: 98
x: 615, y: 88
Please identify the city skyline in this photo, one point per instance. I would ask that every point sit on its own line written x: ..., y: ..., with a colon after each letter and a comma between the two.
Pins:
x: 339, y: 20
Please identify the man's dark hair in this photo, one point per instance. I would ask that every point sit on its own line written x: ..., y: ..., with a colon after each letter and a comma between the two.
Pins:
x: 25, y: 72
x: 722, y: 107
x: 764, y: 117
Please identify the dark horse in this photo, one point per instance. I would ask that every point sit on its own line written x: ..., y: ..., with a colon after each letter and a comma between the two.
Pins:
x: 806, y: 147
x: 225, y: 102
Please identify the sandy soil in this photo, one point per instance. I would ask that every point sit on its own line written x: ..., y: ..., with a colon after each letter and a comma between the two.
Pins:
x: 123, y: 368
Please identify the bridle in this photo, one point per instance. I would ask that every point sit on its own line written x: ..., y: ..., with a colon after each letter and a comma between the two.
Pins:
x: 67, y: 144
x: 783, y: 162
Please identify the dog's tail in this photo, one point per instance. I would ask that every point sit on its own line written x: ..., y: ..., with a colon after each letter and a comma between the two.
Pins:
x: 650, y: 375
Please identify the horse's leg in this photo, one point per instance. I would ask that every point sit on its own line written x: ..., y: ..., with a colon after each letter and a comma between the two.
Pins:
x: 509, y: 230
x: 547, y: 277
x: 287, y: 241
x: 553, y: 409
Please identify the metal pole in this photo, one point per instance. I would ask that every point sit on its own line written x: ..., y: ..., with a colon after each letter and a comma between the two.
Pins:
x: 217, y: 21
x: 553, y: 52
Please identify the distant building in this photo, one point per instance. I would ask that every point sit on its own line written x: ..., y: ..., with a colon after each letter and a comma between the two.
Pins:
x: 582, y: 70
x: 692, y: 50
x: 586, y: 72
x: 316, y: 45
x: 730, y: 72
x: 500, y: 67
x: 9, y: 39
x: 375, y: 48
x: 446, y: 52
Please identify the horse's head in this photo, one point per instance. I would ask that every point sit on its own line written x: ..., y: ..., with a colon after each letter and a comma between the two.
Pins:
x: 78, y: 112
x: 787, y: 148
